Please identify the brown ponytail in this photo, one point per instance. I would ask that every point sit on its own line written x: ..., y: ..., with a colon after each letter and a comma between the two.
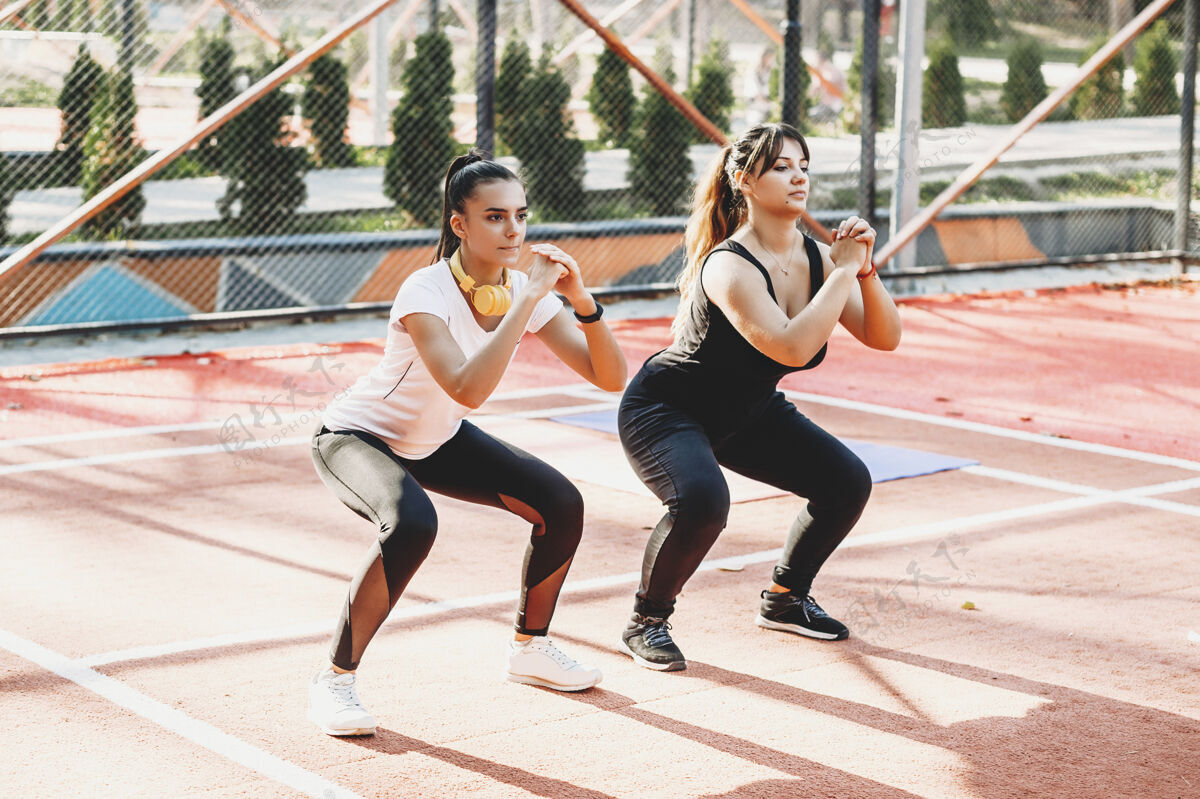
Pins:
x: 718, y: 207
x: 463, y: 176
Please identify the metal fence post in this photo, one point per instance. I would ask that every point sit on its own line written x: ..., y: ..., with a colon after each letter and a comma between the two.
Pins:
x: 870, y: 110
x: 793, y: 62
x: 127, y: 34
x: 691, y: 41
x: 485, y: 76
x: 377, y: 49
x: 906, y: 190
x: 1187, y: 113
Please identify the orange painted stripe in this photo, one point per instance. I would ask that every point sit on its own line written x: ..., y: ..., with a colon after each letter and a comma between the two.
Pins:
x: 966, y: 241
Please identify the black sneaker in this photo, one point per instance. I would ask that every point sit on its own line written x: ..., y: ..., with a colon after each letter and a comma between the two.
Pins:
x: 790, y: 613
x: 647, y: 641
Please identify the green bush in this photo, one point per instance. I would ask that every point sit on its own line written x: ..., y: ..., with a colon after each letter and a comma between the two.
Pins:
x: 1101, y: 96
x: 264, y: 175
x: 37, y: 14
x: 28, y: 93
x: 885, y: 92
x: 545, y: 142
x: 216, y: 89
x: 516, y: 67
x: 1025, y: 87
x: 943, y: 101
x: 804, y: 104
x: 660, y: 169
x: 111, y: 149
x: 326, y: 106
x: 81, y: 86
x: 72, y: 15
x: 712, y: 93
x: 1155, y: 65
x: 611, y: 99
x: 423, y: 141
x: 969, y: 23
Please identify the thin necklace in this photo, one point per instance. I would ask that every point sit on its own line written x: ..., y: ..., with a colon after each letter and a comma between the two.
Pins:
x: 779, y: 265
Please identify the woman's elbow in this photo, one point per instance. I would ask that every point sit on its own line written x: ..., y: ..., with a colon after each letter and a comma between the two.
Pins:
x: 614, y: 383
x: 888, y: 342
x: 468, y: 398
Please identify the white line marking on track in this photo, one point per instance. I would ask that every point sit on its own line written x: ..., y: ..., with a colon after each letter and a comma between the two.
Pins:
x: 427, y: 609
x: 584, y: 391
x: 183, y: 725
x: 1142, y: 495
x: 581, y: 390
x: 112, y: 432
x: 995, y: 430
x: 123, y: 457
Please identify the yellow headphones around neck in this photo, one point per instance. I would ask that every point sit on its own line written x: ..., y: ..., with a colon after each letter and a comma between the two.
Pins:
x: 488, y: 300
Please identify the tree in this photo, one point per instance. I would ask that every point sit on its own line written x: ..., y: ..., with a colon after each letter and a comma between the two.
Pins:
x: 516, y: 67
x: 712, y: 93
x: 326, y: 106
x: 37, y: 14
x: 1101, y: 96
x: 611, y: 99
x: 80, y: 88
x: 264, y: 174
x: 885, y: 91
x: 660, y: 169
x: 1024, y: 87
x: 545, y: 142
x: 423, y: 141
x: 1155, y: 65
x: 943, y: 104
x: 968, y: 23
x: 71, y: 15
x: 111, y: 149
x: 216, y: 89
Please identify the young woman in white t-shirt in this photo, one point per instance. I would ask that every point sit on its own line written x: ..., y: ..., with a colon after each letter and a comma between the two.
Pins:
x: 399, y: 431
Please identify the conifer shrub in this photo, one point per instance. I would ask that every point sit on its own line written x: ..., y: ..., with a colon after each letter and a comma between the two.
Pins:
x: 422, y: 132
x: 943, y: 102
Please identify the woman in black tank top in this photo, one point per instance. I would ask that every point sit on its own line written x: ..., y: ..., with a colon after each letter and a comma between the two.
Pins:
x: 758, y: 300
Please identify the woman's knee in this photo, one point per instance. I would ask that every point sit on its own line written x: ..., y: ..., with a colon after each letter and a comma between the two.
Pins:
x: 410, y: 529
x: 853, y: 485
x: 561, y: 509
x: 702, y: 504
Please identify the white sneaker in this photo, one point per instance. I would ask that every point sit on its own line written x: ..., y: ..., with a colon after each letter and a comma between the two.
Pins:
x: 334, y: 707
x: 539, y: 662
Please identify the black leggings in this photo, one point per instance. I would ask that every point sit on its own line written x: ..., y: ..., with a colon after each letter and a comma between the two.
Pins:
x: 674, y: 456
x: 389, y: 491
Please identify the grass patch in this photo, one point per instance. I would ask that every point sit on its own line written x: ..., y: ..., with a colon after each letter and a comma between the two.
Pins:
x: 1156, y: 184
x: 975, y: 85
x: 28, y: 93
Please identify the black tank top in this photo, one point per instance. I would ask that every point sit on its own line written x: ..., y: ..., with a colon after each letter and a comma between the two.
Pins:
x: 712, y: 371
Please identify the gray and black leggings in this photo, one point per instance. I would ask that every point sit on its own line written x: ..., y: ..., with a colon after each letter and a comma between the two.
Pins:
x: 675, y: 457
x: 389, y: 491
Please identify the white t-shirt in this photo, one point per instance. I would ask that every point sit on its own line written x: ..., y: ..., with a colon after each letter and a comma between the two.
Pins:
x: 398, y: 401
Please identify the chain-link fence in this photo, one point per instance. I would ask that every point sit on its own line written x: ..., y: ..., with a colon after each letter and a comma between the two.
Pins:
x: 327, y: 191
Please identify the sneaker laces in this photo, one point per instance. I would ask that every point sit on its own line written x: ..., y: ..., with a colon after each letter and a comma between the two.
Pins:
x: 547, y: 648
x: 655, y: 633
x: 812, y: 610
x: 342, y: 687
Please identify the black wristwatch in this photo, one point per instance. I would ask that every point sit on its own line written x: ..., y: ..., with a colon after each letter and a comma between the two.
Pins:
x: 592, y: 317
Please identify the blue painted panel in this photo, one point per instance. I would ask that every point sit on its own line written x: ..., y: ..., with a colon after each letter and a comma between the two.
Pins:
x: 106, y: 295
